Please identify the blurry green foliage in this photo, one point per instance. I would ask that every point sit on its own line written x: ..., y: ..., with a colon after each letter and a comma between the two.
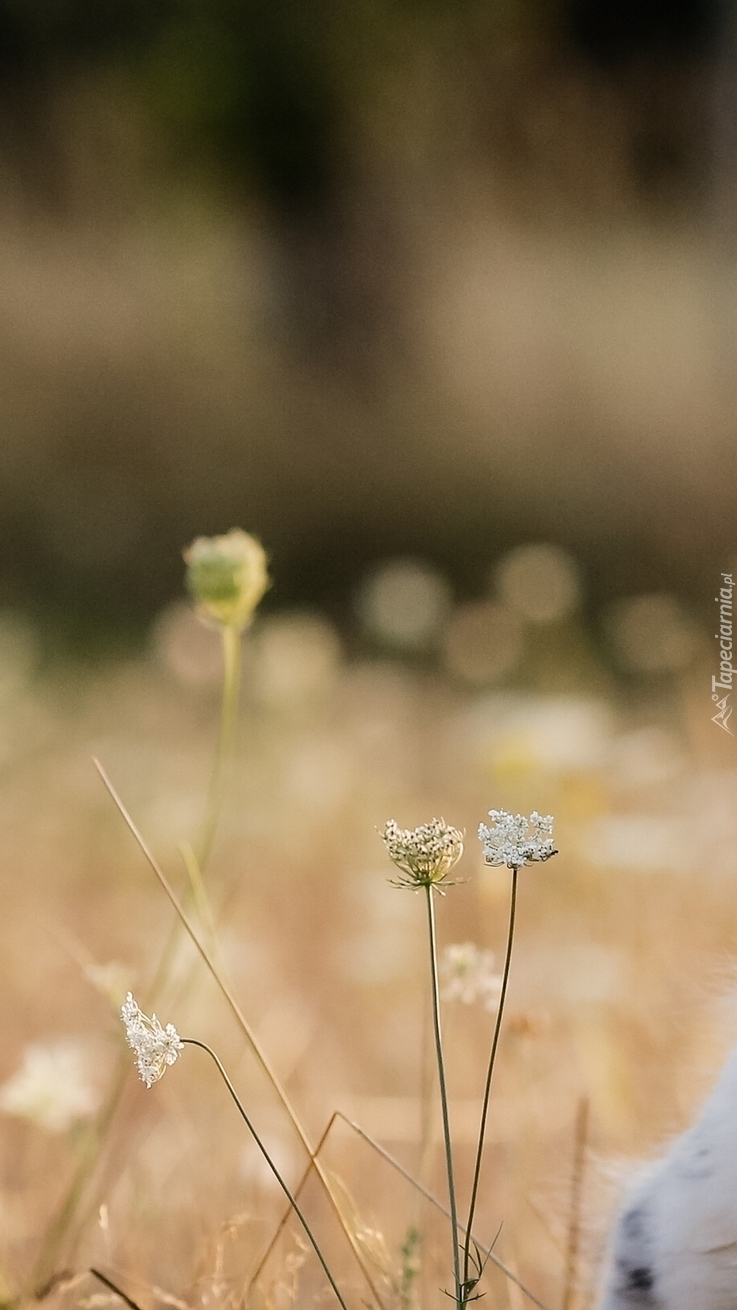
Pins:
x: 268, y: 88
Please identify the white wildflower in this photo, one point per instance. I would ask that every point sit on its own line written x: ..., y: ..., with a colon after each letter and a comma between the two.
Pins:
x: 515, y: 840
x: 425, y: 855
x: 467, y: 975
x: 155, y: 1046
x: 51, y: 1088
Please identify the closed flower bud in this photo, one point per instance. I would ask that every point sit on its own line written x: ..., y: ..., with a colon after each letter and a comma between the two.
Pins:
x: 227, y: 576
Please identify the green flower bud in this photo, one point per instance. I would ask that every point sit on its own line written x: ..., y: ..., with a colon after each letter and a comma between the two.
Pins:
x: 227, y: 576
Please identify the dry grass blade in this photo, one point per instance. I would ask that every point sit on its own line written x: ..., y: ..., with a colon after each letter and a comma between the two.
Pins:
x: 574, y: 1223
x: 114, y: 1288
x: 285, y: 1217
x: 245, y: 1026
x: 428, y: 1195
x: 485, y: 1250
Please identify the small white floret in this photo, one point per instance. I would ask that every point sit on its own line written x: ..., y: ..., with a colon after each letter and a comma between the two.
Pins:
x: 515, y: 840
x: 155, y: 1046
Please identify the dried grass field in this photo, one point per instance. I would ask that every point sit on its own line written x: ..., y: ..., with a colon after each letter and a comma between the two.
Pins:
x: 620, y: 1007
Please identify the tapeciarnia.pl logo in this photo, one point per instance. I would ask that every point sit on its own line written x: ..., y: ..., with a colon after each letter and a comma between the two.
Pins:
x: 724, y: 636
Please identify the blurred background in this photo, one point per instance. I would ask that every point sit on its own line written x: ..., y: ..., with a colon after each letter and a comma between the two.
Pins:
x: 437, y: 297
x: 427, y: 278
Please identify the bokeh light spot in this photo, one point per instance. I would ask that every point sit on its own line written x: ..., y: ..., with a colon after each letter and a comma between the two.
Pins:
x: 540, y: 582
x: 482, y: 643
x: 652, y: 634
x: 404, y: 604
x: 297, y: 657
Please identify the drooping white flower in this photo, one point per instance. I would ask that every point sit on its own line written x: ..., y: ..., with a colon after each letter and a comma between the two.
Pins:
x: 155, y: 1046
x: 425, y: 855
x: 515, y: 840
x: 467, y: 975
x: 52, y: 1088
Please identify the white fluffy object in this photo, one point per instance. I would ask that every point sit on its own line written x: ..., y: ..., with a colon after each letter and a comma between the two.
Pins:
x: 674, y: 1245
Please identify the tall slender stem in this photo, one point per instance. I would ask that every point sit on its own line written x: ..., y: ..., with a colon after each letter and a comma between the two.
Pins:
x: 231, y: 639
x: 489, y: 1073
x: 254, y: 1277
x: 250, y: 1035
x: 191, y: 1041
x: 64, y: 1217
x: 488, y: 1251
x: 443, y: 1091
x: 229, y: 709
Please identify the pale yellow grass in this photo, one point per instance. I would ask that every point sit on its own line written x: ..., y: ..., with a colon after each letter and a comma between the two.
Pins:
x: 620, y: 992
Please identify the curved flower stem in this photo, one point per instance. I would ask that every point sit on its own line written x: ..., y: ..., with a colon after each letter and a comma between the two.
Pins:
x: 248, y: 1031
x: 443, y: 1092
x: 229, y: 709
x: 191, y: 1041
x: 489, y: 1073
x: 64, y: 1218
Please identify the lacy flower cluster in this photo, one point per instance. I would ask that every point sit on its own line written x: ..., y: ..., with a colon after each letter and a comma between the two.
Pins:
x: 515, y: 840
x: 424, y: 855
x: 156, y: 1047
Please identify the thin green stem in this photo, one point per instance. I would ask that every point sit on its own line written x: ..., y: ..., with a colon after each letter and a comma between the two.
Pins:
x: 424, y: 1191
x: 229, y: 710
x: 443, y: 1092
x: 64, y: 1217
x: 489, y: 1073
x: 191, y: 1041
x: 297, y: 1193
x: 419, y: 1187
x: 250, y: 1035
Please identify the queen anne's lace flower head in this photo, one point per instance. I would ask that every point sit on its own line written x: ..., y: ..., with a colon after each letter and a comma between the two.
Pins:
x: 424, y: 855
x: 467, y: 975
x: 515, y: 840
x: 155, y: 1046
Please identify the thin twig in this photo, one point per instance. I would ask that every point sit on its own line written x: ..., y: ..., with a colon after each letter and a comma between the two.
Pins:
x: 419, y: 1187
x: 486, y: 1250
x: 459, y: 1296
x: 114, y: 1288
x: 489, y: 1073
x: 65, y: 1216
x: 282, y: 1222
x: 253, y: 1041
x: 574, y: 1223
x: 191, y: 1041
